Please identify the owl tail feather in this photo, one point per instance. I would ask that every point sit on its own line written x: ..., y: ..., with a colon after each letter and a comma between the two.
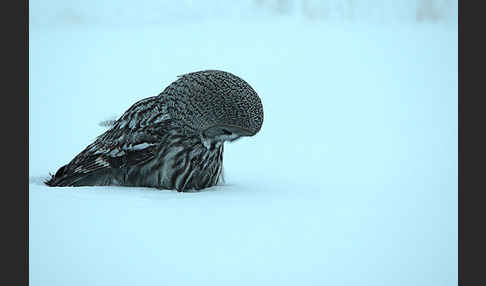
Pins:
x: 62, y: 178
x: 55, y: 179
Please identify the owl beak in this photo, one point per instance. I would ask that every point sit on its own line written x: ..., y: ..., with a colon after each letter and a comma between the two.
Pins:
x: 229, y: 130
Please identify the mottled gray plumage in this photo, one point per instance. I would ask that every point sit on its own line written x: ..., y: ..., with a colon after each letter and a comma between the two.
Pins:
x: 171, y: 141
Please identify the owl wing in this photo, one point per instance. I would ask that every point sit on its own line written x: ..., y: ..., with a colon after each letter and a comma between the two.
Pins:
x: 103, y: 155
x: 132, y: 139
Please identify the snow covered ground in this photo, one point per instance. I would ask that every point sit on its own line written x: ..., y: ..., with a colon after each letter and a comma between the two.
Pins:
x: 352, y: 179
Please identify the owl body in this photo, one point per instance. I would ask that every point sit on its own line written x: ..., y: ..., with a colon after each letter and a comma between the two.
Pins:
x: 171, y: 141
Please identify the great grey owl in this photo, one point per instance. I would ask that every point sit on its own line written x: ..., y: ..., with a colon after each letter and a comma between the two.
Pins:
x: 173, y: 140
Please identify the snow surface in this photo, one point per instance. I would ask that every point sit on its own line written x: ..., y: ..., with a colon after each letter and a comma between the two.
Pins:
x: 352, y: 179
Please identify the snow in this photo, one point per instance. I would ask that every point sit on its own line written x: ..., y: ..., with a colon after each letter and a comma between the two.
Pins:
x: 352, y: 179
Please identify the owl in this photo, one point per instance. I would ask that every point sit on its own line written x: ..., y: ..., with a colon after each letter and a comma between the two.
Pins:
x: 174, y: 140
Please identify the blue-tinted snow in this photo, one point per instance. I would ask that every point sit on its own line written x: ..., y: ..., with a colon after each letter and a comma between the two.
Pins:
x: 352, y: 179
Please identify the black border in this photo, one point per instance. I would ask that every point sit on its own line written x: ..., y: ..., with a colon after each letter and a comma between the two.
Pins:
x: 470, y: 124
x: 25, y: 91
x: 15, y: 142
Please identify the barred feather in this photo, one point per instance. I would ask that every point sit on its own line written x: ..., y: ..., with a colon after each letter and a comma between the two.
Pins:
x: 171, y: 141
